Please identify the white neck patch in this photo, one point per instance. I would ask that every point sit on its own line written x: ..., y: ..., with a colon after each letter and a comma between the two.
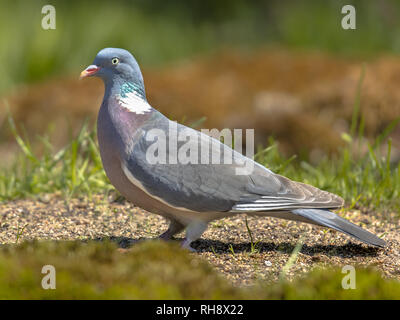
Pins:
x: 133, y: 102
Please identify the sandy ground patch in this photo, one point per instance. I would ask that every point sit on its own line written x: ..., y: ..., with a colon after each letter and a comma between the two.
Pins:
x: 226, y: 244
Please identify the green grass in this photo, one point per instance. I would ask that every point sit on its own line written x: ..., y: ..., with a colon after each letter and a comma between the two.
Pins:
x: 253, y: 245
x: 74, y: 170
x: 97, y: 270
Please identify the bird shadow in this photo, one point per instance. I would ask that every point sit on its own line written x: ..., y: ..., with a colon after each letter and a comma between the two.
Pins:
x: 220, y: 247
x: 345, y: 251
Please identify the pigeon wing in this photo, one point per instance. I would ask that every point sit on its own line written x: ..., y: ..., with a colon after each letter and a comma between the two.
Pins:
x: 213, y: 187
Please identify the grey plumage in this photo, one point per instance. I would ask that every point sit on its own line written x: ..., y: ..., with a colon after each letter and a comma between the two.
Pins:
x: 192, y: 194
x: 326, y: 218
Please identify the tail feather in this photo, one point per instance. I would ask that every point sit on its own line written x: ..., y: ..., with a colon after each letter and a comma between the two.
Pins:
x: 329, y: 219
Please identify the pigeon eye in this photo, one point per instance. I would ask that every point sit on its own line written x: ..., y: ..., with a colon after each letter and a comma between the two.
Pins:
x: 114, y: 61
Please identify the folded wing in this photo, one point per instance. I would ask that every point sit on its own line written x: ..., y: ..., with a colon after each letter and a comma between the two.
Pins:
x: 216, y: 187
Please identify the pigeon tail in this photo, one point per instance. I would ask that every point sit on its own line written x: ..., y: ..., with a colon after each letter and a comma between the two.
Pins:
x: 329, y: 219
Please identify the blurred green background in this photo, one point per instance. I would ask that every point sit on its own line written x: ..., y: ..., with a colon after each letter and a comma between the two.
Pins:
x: 158, y: 31
x: 166, y: 35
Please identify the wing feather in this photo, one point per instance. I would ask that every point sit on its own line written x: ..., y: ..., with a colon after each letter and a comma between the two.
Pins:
x: 217, y: 187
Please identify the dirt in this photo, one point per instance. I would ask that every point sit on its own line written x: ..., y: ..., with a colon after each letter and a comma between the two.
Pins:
x: 226, y: 244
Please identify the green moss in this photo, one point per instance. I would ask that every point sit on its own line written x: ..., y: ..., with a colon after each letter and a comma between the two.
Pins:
x: 150, y: 270
x: 157, y: 270
x: 327, y: 284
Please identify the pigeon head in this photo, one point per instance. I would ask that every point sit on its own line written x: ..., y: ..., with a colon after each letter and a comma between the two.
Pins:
x: 115, y: 66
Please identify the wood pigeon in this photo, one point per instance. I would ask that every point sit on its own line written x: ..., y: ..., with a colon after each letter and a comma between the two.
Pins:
x: 145, y: 156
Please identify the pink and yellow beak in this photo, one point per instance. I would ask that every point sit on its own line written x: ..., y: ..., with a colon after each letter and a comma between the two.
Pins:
x: 89, y: 71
